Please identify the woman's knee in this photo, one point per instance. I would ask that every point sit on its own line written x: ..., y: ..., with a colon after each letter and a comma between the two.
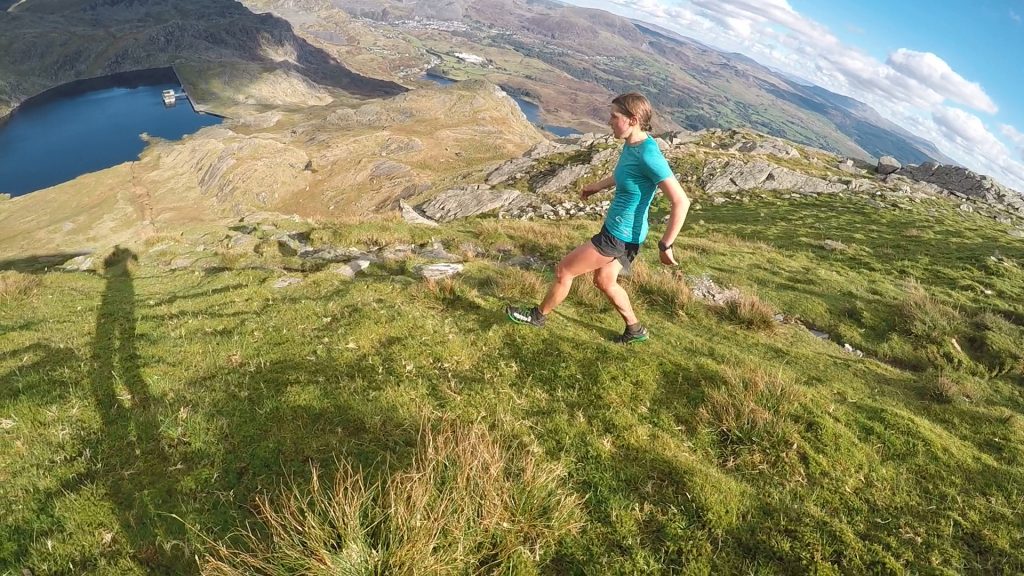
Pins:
x: 605, y: 282
x: 562, y: 273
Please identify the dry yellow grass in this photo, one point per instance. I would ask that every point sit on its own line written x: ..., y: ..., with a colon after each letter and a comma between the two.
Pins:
x: 660, y: 287
x: 515, y: 284
x: 749, y: 415
x: 14, y: 285
x: 749, y: 311
x: 469, y: 503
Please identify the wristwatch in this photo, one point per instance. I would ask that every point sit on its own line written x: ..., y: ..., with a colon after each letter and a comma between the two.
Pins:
x: 663, y: 247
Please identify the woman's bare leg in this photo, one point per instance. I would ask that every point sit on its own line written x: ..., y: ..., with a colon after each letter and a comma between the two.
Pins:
x: 606, y: 278
x: 583, y: 259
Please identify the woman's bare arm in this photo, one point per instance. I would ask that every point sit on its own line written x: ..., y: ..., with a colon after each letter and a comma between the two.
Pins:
x: 680, y: 206
x: 595, y: 187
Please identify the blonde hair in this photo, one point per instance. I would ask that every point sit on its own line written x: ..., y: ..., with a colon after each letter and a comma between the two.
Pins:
x: 635, y: 105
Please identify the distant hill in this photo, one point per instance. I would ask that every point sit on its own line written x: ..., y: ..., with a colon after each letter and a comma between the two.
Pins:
x: 695, y: 85
x: 873, y: 118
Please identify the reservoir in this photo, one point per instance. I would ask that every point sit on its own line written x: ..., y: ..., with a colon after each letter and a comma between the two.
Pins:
x: 529, y: 109
x: 88, y: 126
x: 532, y: 113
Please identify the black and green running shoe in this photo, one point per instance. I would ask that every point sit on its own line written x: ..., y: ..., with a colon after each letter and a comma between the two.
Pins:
x: 633, y: 336
x: 531, y: 316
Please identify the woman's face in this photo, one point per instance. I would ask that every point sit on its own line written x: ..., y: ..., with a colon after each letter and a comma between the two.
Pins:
x: 621, y: 124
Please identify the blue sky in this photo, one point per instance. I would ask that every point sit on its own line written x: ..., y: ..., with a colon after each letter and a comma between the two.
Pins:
x: 951, y: 71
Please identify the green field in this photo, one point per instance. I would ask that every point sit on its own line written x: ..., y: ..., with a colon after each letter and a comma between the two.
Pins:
x: 157, y: 421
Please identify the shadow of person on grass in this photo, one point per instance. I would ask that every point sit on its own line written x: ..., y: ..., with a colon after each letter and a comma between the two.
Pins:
x: 135, y: 467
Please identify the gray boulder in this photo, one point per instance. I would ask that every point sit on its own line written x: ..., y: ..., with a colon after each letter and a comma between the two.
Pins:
x: 848, y: 166
x: 548, y: 147
x: 292, y: 243
x: 83, y: 263
x: 887, y: 165
x: 328, y: 254
x: 438, y: 271
x: 350, y: 269
x: 785, y: 179
x: 681, y: 137
x: 604, y: 156
x: 286, y: 282
x: 733, y: 175
x: 410, y: 215
x: 437, y: 251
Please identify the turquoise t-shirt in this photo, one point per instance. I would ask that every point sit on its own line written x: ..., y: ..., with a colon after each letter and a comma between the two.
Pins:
x: 640, y: 168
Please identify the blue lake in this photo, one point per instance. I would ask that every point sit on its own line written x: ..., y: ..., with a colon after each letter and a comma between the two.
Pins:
x: 59, y: 138
x: 530, y: 110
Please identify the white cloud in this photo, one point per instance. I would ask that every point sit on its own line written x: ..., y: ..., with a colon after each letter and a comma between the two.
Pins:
x: 1014, y: 16
x: 1015, y: 136
x: 933, y: 72
x: 910, y: 88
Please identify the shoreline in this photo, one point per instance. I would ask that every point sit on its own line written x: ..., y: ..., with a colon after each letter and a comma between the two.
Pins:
x: 129, y: 79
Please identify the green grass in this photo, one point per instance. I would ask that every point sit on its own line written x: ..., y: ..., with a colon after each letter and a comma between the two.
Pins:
x: 171, y: 422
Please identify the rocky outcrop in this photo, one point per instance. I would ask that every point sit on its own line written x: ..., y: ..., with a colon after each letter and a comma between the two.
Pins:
x: 766, y: 147
x: 848, y: 166
x: 967, y: 185
x: 511, y: 170
x: 732, y: 175
x: 469, y: 201
x: 561, y: 179
x: 955, y: 179
x: 560, y: 211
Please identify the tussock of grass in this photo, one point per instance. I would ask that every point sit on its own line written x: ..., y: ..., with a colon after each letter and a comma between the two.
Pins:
x: 949, y: 388
x: 924, y: 318
x: 231, y: 260
x: 661, y: 287
x: 518, y: 285
x: 537, y: 238
x: 748, y: 311
x: 930, y: 329
x: 997, y: 343
x: 442, y: 289
x: 749, y: 414
x: 16, y: 285
x: 469, y: 503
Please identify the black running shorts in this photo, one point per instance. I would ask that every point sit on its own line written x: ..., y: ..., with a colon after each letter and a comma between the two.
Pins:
x: 610, y: 246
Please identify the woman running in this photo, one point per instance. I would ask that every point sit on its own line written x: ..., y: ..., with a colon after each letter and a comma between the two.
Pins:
x: 640, y: 171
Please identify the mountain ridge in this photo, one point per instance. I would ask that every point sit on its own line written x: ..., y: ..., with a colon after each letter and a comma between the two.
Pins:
x: 218, y: 46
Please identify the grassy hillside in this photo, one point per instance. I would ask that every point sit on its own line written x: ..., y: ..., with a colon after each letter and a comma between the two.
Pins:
x: 159, y: 421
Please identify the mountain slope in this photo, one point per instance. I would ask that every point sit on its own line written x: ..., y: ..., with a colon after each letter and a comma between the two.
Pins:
x: 150, y: 415
x: 219, y: 47
x: 691, y: 84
